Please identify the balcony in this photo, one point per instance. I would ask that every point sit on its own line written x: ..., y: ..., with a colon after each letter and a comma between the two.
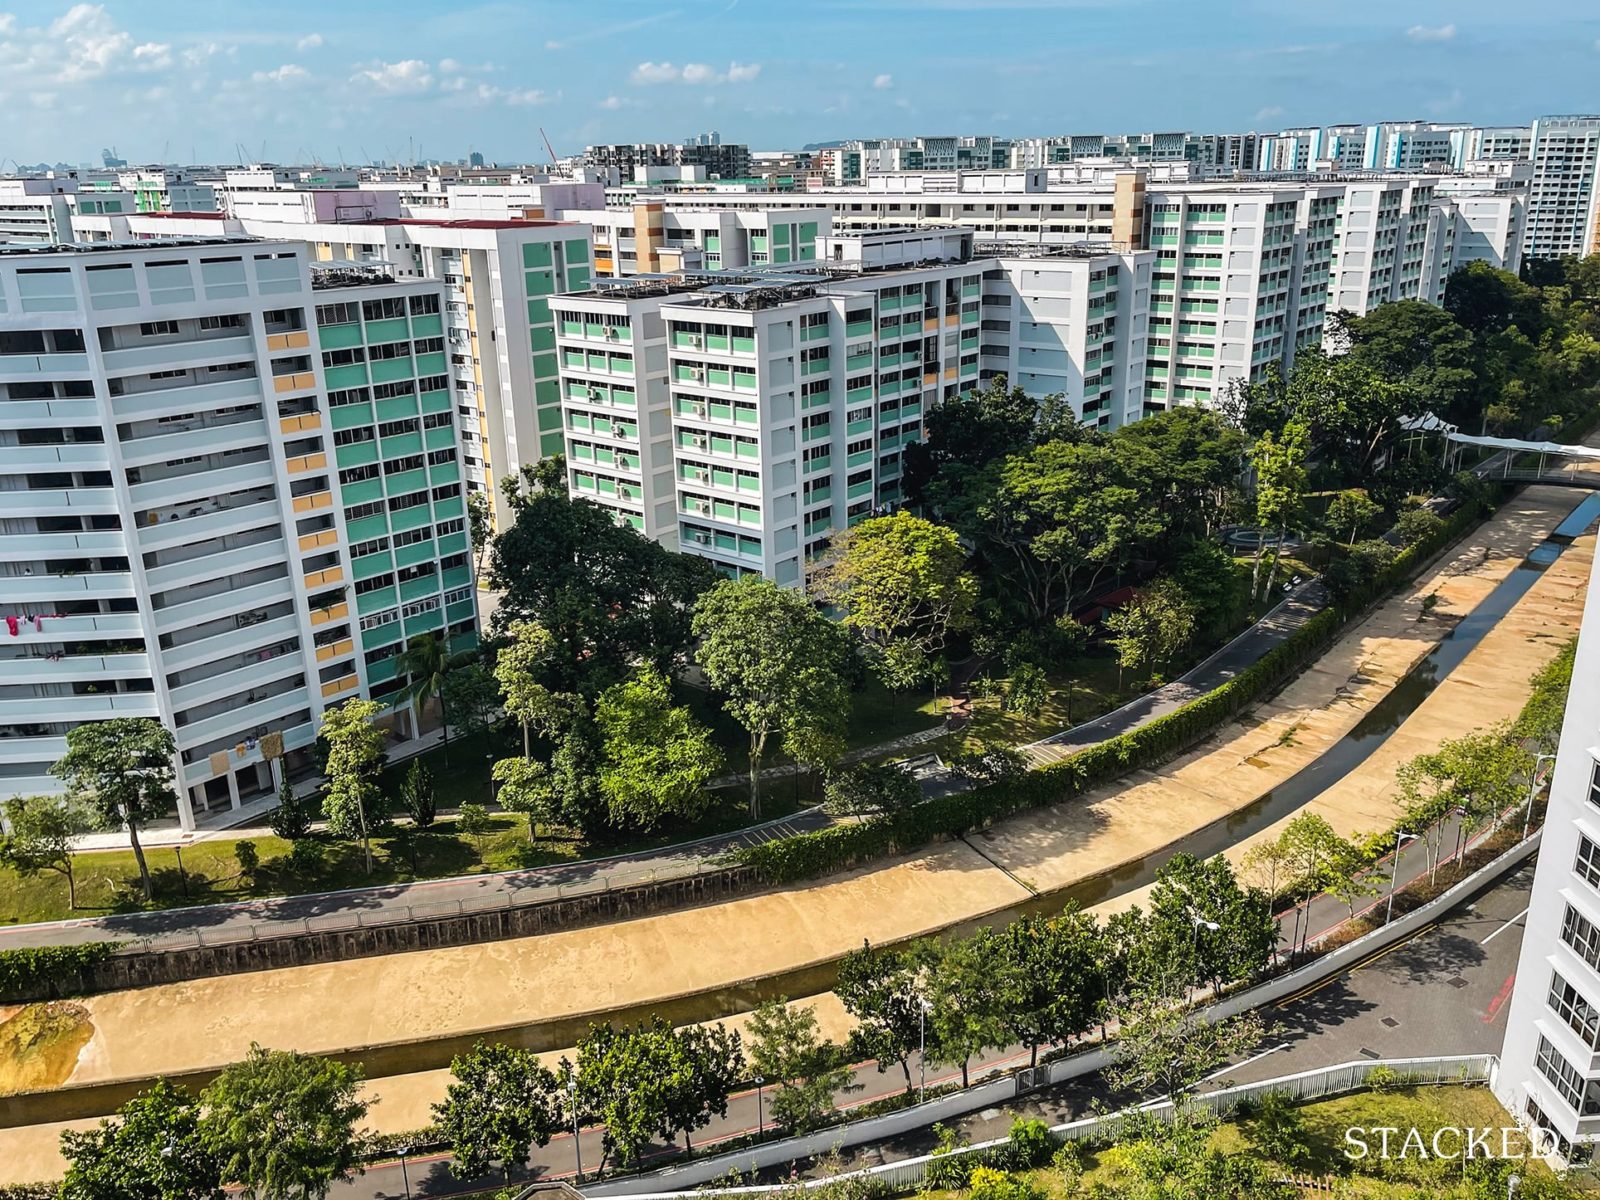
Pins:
x: 45, y: 710
x: 61, y: 545
x: 194, y: 489
x: 237, y: 722
x: 213, y: 520
x: 327, y: 577
x: 257, y: 669
x: 256, y: 596
x: 32, y: 366
x: 307, y: 462
x: 179, y: 352
x: 71, y: 455
x: 199, y: 437
x: 44, y: 502
x: 298, y: 340
x: 312, y: 541
x: 313, y: 502
x: 297, y: 381
x: 304, y: 423
x: 91, y: 585
x: 75, y: 667
x: 339, y: 687
x: 213, y: 566
x: 28, y: 414
x: 325, y: 616
x: 230, y: 637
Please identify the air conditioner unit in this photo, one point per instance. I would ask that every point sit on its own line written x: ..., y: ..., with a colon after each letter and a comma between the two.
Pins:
x: 611, y: 333
x: 595, y: 393
x: 698, y: 374
x: 696, y: 340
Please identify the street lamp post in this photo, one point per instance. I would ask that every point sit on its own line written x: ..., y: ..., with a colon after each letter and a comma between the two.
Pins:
x: 1533, y: 789
x: 1401, y: 837
x: 577, y: 1145
x: 922, y: 1048
x: 761, y: 1120
x: 405, y: 1176
x: 489, y: 760
x: 1512, y: 1185
x: 1200, y: 923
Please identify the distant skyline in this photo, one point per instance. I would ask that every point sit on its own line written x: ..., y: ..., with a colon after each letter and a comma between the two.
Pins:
x: 191, y: 80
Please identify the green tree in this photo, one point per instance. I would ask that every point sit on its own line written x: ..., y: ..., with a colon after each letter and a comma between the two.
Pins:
x: 871, y: 788
x: 1349, y: 575
x: 1279, y: 1131
x: 353, y: 800
x: 970, y: 995
x: 1422, y: 351
x: 1054, y: 969
x: 710, y: 1064
x: 656, y: 758
x: 523, y: 786
x: 425, y: 663
x: 284, y: 1125
x: 480, y: 527
x: 1203, y: 926
x: 1164, y: 1049
x: 122, y: 769
x: 1051, y: 524
x: 881, y: 990
x: 780, y: 664
x: 1417, y: 525
x: 291, y: 820
x: 1153, y: 628
x: 1205, y: 574
x: 518, y: 668
x: 1187, y: 461
x: 608, y: 596
x: 787, y: 1051
x: 501, y: 1102
x: 1485, y: 301
x: 472, y: 696
x: 151, y: 1150
x: 44, y: 830
x: 1349, y: 511
x: 1279, y: 464
x: 987, y: 762
x: 972, y: 429
x: 1478, y: 775
x: 417, y: 795
x: 1026, y: 690
x: 472, y: 820
x: 902, y: 584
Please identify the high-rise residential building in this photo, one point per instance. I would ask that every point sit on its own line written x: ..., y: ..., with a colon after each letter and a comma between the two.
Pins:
x: 1563, y: 195
x: 646, y: 237
x: 747, y: 415
x: 1500, y: 142
x: 1415, y: 145
x: 724, y: 160
x: 499, y: 276
x: 1549, y: 1072
x: 174, y: 532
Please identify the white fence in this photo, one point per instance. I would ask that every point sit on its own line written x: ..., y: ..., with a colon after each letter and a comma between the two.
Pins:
x: 910, y: 1174
x: 1003, y: 1089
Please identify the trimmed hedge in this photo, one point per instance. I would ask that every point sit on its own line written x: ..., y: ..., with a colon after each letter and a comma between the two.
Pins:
x: 49, y: 971
x: 840, y: 847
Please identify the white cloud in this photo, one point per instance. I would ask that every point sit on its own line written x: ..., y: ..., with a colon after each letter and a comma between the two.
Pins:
x: 83, y: 44
x: 288, y: 73
x: 310, y: 42
x: 449, y: 66
x: 1270, y: 112
x: 883, y: 82
x: 694, y: 74
x: 406, y: 77
x: 514, y: 97
x: 1431, y: 33
x: 611, y: 103
x: 1445, y: 104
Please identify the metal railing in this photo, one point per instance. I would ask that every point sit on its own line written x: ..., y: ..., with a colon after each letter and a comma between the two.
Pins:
x: 910, y: 1174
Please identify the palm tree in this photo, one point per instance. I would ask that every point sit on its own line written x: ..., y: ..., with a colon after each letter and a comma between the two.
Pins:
x: 426, y: 663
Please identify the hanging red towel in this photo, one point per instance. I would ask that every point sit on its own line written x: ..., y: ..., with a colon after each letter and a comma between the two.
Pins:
x: 11, y: 624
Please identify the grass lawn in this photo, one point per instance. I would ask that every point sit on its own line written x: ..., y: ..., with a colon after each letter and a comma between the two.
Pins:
x: 1111, y: 1173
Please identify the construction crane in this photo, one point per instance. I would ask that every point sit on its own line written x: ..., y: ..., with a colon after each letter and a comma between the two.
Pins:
x: 555, y: 164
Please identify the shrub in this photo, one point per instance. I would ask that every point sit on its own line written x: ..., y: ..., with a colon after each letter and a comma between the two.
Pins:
x: 1279, y: 1130
x: 291, y: 820
x: 52, y: 970
x: 871, y: 788
x: 305, y: 855
x: 1031, y: 1144
x: 1418, y: 525
x: 989, y: 1184
x: 249, y: 858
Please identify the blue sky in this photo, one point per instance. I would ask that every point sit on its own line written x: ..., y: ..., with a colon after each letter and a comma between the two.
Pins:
x: 159, y: 77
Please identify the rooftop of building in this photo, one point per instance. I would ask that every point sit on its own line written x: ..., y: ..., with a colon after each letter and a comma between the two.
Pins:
x: 15, y: 249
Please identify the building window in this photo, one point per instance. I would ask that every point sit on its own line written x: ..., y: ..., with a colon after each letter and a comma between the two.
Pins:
x: 1594, y: 785
x: 1583, y: 1095
x: 1568, y: 1003
x: 158, y: 329
x: 1578, y: 932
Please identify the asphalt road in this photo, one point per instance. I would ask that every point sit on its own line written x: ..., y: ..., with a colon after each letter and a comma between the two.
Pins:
x: 1413, y: 985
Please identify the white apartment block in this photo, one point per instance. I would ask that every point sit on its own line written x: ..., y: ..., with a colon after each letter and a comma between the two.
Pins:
x: 45, y: 211
x: 747, y: 415
x: 1549, y: 1073
x: 645, y: 238
x: 1565, y: 152
x: 500, y: 276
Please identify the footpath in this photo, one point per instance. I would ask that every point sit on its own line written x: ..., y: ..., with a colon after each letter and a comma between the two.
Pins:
x: 543, y: 985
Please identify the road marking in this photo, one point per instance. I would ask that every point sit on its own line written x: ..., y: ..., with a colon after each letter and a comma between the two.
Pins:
x: 1503, y: 928
x: 1287, y: 1001
x: 1500, y: 998
x: 1246, y: 1062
